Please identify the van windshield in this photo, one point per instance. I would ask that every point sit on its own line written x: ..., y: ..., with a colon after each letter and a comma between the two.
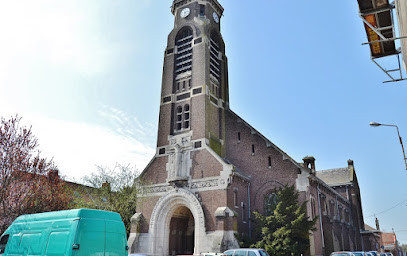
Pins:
x: 263, y: 253
x: 3, y: 243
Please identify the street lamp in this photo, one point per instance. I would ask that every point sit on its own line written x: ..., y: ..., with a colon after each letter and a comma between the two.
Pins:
x: 374, y: 124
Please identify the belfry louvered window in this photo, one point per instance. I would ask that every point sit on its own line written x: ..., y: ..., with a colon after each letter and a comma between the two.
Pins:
x: 214, y: 57
x: 183, y: 58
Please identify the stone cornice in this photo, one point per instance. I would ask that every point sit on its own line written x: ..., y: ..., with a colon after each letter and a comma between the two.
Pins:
x: 195, y: 185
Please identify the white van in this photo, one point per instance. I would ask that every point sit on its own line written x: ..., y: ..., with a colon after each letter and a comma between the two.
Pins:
x: 246, y: 252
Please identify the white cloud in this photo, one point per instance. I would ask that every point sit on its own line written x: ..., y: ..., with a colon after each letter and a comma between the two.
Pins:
x: 78, y: 147
x: 126, y: 125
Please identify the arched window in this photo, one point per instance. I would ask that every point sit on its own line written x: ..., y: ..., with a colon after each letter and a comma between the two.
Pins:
x: 332, y: 208
x: 183, y: 58
x: 313, y: 207
x: 235, y: 202
x: 346, y: 216
x: 270, y: 203
x: 325, y: 207
x: 182, y: 118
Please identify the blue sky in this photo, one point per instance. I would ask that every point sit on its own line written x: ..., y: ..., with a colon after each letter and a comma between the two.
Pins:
x: 87, y: 76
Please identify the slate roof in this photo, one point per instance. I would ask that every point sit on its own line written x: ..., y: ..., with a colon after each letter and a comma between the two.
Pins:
x: 369, y: 228
x: 334, y: 177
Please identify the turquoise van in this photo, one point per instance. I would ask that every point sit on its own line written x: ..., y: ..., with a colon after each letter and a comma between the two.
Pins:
x: 76, y: 232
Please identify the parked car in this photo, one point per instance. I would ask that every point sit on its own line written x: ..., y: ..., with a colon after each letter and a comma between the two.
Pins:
x: 361, y: 253
x: 342, y: 253
x: 374, y: 253
x: 246, y: 252
x: 79, y: 232
x: 389, y: 254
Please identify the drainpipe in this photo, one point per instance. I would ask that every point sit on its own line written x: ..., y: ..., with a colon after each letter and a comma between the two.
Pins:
x: 320, y: 220
x: 250, y: 212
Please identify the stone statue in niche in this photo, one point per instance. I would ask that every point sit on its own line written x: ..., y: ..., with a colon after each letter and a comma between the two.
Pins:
x: 179, y: 159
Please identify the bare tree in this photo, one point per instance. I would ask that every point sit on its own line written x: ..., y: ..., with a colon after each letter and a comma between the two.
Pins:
x: 112, y: 189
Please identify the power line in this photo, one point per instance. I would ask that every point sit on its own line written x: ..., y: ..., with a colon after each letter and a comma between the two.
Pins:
x: 391, y: 208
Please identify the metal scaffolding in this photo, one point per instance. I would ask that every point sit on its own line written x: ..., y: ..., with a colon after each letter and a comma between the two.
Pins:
x: 377, y: 16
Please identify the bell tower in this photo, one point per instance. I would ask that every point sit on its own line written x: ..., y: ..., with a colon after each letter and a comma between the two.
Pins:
x: 194, y: 92
x: 184, y: 205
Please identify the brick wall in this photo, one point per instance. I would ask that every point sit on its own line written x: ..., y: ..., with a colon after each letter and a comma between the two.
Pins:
x: 156, y: 172
x: 204, y: 165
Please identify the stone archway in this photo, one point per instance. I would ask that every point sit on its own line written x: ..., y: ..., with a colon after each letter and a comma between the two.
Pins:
x: 182, y: 229
x: 263, y: 190
x: 166, y: 208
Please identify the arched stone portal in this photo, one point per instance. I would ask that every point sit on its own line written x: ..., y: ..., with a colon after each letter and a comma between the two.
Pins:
x: 166, y: 212
x: 182, y: 229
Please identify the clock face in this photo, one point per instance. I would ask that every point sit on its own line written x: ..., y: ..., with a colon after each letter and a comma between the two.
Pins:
x: 215, y: 17
x: 185, y: 12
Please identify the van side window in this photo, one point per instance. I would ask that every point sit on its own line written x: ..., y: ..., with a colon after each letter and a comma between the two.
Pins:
x: 252, y: 253
x: 3, y: 243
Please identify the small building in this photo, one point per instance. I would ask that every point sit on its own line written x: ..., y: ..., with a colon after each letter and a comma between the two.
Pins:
x: 390, y: 244
x: 372, y: 238
x: 347, y: 224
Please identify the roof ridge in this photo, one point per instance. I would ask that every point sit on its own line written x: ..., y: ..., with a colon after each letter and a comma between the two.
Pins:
x: 333, y: 169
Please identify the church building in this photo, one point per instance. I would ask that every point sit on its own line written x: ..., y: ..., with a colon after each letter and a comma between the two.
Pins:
x: 212, y: 169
